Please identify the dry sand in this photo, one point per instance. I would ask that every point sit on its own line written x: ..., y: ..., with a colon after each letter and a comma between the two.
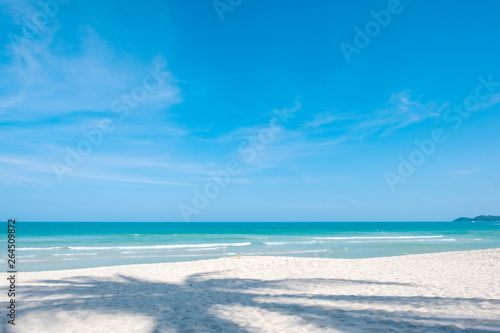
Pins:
x: 443, y: 292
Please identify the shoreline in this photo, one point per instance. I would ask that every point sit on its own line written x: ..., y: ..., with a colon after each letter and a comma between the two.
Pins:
x: 44, y: 247
x: 253, y: 256
x: 456, y: 291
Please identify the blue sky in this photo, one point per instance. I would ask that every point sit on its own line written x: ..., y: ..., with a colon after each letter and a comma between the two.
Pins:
x: 155, y: 98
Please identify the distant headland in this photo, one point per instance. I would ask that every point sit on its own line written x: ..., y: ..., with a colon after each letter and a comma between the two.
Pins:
x: 480, y: 218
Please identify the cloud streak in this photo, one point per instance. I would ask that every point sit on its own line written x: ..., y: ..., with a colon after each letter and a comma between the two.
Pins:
x: 46, y: 77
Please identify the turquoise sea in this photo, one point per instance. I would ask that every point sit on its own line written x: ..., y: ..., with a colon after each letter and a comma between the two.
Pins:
x: 66, y: 245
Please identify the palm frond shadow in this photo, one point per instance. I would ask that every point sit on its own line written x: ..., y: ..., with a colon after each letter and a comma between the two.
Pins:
x: 200, y: 293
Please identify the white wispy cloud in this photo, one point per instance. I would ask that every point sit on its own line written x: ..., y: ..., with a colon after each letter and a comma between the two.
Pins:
x: 166, y: 164
x: 118, y: 169
x: 26, y: 164
x: 307, y: 138
x: 9, y: 177
x: 401, y: 111
x: 130, y: 179
x: 457, y: 175
x: 465, y: 172
x: 45, y: 77
x: 243, y: 133
x: 51, y: 91
x: 493, y: 100
x: 320, y: 119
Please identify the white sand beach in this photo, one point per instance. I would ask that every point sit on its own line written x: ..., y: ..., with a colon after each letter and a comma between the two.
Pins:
x: 443, y: 292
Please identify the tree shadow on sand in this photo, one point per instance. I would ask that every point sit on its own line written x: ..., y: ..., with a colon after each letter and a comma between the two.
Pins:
x: 198, y: 304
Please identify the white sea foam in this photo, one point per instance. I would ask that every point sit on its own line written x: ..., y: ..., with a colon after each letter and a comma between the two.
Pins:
x: 271, y: 253
x: 378, y: 237
x: 159, y: 247
x: 430, y: 240
x: 190, y: 255
x: 411, y: 240
x: 74, y: 254
x: 39, y: 248
x: 205, y: 249
x: 171, y: 256
x: 154, y: 247
x: 143, y: 256
x: 285, y: 243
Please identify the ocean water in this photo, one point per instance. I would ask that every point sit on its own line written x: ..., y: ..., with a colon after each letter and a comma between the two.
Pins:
x: 66, y: 245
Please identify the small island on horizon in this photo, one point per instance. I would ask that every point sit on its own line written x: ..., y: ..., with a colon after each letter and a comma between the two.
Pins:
x: 480, y: 218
